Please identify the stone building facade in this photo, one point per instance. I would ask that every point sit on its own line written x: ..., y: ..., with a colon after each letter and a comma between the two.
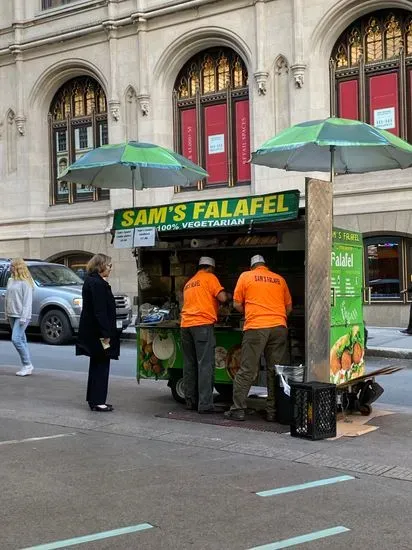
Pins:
x: 75, y: 74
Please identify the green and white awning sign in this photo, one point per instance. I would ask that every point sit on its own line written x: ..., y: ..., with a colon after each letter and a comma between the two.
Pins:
x: 208, y: 214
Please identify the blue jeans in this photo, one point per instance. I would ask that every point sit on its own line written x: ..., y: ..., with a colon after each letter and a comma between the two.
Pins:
x: 18, y: 337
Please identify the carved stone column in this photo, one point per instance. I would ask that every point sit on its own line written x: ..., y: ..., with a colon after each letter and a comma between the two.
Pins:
x: 261, y: 101
x: 20, y: 118
x: 145, y: 120
x: 299, y: 93
x: 260, y: 34
x: 115, y: 128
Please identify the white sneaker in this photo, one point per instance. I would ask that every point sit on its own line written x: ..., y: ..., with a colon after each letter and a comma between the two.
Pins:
x: 25, y: 371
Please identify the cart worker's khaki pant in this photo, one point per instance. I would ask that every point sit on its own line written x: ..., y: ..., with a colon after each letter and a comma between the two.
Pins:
x: 272, y: 342
x: 198, y: 345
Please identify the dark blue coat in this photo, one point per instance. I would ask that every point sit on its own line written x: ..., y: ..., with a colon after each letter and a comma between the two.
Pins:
x: 98, y: 319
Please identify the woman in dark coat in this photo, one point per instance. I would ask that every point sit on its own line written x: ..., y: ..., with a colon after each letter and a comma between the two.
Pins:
x: 98, y: 337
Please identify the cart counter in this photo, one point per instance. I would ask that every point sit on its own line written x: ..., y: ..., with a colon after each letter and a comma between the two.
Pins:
x: 160, y: 351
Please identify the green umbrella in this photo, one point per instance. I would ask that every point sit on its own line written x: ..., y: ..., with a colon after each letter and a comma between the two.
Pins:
x: 335, y: 145
x: 133, y: 165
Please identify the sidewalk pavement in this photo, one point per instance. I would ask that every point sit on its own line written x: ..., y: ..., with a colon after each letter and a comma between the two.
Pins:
x: 382, y: 342
x: 56, y: 398
x: 389, y: 342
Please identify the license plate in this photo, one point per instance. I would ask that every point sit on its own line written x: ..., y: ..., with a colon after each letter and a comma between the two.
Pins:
x: 119, y: 324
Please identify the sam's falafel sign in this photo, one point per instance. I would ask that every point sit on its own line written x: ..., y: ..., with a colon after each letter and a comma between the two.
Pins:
x: 210, y: 214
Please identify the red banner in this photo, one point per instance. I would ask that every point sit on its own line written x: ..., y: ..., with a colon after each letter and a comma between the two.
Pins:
x: 216, y: 143
x: 242, y: 141
x: 189, y: 134
x: 384, y: 102
x: 348, y: 99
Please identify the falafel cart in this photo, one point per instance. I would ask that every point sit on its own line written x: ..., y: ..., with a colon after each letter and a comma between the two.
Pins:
x: 232, y: 230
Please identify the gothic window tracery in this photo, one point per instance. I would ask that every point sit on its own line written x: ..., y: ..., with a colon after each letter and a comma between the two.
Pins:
x: 371, y: 66
x: 211, y: 102
x: 78, y: 123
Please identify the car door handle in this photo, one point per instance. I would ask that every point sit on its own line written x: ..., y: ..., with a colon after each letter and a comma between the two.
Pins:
x: 3, y: 294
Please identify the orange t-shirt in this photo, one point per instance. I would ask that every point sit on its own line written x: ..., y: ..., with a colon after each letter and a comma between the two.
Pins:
x: 200, y: 305
x: 264, y: 295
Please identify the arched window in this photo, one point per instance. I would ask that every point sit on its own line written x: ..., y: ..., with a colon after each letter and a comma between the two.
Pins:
x: 211, y: 107
x: 371, y: 70
x: 77, y: 261
x: 78, y: 123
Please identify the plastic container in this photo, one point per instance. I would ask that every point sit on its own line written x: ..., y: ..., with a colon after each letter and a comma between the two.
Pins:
x: 291, y: 374
x: 313, y: 410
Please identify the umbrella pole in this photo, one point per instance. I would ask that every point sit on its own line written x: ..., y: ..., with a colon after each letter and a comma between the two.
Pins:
x: 133, y: 168
x: 332, y: 163
x: 139, y: 269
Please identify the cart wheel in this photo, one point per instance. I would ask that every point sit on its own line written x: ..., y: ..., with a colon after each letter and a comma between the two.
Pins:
x: 177, y: 389
x: 225, y: 391
x: 365, y: 410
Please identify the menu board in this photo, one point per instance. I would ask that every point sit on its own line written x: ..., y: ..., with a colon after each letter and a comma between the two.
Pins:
x: 347, y: 345
x: 346, y: 266
x: 346, y: 275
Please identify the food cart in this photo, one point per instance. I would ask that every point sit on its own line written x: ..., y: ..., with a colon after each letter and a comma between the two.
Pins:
x: 169, y: 240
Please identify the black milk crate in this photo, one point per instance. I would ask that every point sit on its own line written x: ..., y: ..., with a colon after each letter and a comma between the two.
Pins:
x: 313, y: 410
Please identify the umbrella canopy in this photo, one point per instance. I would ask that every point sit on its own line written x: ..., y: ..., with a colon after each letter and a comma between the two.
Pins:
x: 133, y: 165
x: 337, y: 145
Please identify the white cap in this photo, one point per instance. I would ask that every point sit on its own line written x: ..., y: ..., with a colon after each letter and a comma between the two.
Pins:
x: 257, y: 259
x: 205, y: 260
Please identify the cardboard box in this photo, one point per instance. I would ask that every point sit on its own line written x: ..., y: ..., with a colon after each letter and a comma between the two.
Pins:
x: 190, y: 269
x: 177, y: 270
x: 180, y: 283
x: 161, y: 286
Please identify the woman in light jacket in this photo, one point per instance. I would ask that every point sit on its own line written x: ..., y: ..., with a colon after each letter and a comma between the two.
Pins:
x: 19, y: 299
x: 98, y: 337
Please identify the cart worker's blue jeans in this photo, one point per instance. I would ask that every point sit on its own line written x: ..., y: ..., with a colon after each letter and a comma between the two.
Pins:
x: 18, y: 337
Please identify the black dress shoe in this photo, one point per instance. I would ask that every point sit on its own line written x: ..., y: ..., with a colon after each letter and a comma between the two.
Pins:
x: 406, y: 331
x: 101, y: 408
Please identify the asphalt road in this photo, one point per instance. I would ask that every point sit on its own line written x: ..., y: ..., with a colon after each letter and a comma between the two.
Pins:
x: 64, y: 358
x: 133, y: 480
x: 397, y: 386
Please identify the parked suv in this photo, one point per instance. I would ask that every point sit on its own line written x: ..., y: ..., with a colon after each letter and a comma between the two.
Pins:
x: 57, y: 300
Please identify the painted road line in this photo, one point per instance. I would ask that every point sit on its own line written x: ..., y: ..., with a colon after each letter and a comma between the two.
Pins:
x: 303, y: 486
x: 31, y: 439
x: 92, y: 538
x: 287, y: 543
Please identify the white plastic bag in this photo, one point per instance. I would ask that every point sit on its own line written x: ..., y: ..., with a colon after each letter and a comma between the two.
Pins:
x: 286, y: 387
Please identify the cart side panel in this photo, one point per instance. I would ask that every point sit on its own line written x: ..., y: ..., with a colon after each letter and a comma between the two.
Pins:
x: 152, y: 340
x: 347, y: 326
x: 159, y: 350
x: 227, y: 355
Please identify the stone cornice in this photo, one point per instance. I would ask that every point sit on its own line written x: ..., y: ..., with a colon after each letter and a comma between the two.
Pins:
x: 110, y: 25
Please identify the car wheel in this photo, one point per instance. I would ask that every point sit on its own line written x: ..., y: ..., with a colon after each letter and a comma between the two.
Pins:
x: 177, y: 388
x: 55, y: 327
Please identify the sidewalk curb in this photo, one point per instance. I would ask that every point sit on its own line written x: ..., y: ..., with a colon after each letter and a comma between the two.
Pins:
x: 128, y: 336
x: 392, y: 353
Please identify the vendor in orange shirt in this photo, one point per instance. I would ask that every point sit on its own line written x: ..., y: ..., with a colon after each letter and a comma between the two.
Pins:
x: 201, y: 297
x: 264, y: 298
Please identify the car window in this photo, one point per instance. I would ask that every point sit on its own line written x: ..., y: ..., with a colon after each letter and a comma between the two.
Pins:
x: 4, y: 275
x: 54, y: 275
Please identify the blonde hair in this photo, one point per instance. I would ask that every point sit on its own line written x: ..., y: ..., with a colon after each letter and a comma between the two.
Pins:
x: 21, y: 271
x: 98, y: 263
